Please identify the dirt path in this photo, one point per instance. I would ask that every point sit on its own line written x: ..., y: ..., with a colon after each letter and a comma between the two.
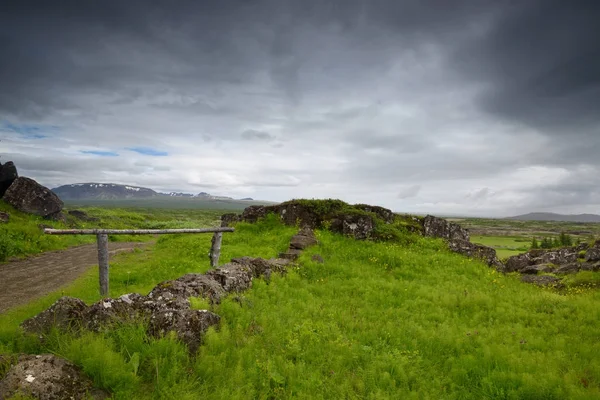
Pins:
x: 25, y: 280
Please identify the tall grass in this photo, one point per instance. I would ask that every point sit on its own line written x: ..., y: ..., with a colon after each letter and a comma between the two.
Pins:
x: 374, y: 321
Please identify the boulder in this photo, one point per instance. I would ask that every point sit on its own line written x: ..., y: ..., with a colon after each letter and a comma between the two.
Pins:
x: 233, y: 277
x: 440, y: 228
x: 594, y: 267
x: 47, y: 377
x: 4, y: 217
x: 568, y: 268
x: 189, y: 325
x: 67, y: 313
x: 290, y: 254
x: 253, y: 213
x: 8, y: 174
x: 473, y: 250
x: 542, y: 280
x: 28, y: 196
x: 358, y: 226
x: 561, y: 256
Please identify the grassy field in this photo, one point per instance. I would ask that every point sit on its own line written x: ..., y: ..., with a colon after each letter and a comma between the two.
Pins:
x: 375, y: 321
x: 505, y: 246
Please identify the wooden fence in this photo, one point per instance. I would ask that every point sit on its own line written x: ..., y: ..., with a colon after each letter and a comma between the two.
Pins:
x: 102, y: 239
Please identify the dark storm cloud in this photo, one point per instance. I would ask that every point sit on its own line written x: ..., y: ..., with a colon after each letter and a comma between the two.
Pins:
x: 540, y: 63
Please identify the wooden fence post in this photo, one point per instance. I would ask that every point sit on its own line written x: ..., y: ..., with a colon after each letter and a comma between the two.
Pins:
x: 215, y: 249
x: 102, y: 239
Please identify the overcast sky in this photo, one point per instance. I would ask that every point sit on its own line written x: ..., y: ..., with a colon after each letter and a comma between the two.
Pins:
x: 449, y: 107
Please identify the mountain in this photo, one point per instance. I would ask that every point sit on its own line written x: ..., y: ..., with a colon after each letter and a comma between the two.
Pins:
x: 543, y: 216
x: 103, y: 191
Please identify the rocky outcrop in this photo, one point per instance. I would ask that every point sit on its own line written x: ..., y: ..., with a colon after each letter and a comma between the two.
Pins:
x: 593, y: 253
x: 472, y: 250
x: 28, y: 196
x: 440, y: 228
x: 562, y: 261
x: 229, y: 219
x: 166, y: 308
x: 8, y: 174
x: 47, y: 377
x: 386, y: 215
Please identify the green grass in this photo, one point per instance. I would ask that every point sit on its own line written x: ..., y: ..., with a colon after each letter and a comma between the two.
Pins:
x: 375, y: 321
x: 505, y: 246
x: 22, y: 236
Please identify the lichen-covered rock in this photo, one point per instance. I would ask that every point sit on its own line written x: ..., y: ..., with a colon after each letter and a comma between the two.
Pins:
x: 47, y: 377
x: 542, y: 280
x: 189, y: 285
x: 189, y: 325
x: 233, y: 277
x: 358, y: 226
x: 254, y: 213
x: 67, y: 313
x: 128, y: 308
x: 473, y: 250
x: 594, y: 267
x: 28, y: 196
x: 440, y: 228
x: 562, y: 256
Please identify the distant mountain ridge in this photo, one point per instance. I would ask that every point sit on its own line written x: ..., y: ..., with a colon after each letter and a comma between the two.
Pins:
x: 113, y: 191
x: 545, y: 216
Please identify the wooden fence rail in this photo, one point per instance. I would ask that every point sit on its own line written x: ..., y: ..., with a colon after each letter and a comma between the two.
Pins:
x: 102, y: 240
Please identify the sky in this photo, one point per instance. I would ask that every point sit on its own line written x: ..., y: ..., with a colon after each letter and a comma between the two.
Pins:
x: 460, y: 107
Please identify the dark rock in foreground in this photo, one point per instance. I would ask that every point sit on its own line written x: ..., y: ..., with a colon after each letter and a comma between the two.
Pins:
x: 4, y: 217
x: 28, y: 196
x: 66, y: 314
x: 358, y: 226
x: 47, y: 377
x: 8, y: 174
x: 189, y: 325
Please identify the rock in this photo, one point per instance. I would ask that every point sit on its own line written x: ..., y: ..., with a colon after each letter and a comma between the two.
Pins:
x: 253, y: 213
x: 568, y: 268
x: 229, y: 219
x: 562, y: 256
x: 29, y: 196
x: 386, y: 215
x: 290, y: 254
x: 67, y: 313
x: 261, y: 267
x: 535, y: 269
x: 189, y: 325
x: 317, y: 258
x: 440, y: 228
x: 358, y: 226
x: 233, y: 277
x: 594, y: 267
x: 303, y: 239
x: 542, y: 280
x: 8, y: 174
x: 593, y: 253
x: 82, y: 215
x: 518, y: 262
x: 4, y: 217
x: 473, y: 250
x: 48, y: 377
x: 128, y: 308
x: 189, y: 285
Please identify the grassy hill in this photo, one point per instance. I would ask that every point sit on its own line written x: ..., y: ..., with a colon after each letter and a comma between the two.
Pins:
x: 376, y: 320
